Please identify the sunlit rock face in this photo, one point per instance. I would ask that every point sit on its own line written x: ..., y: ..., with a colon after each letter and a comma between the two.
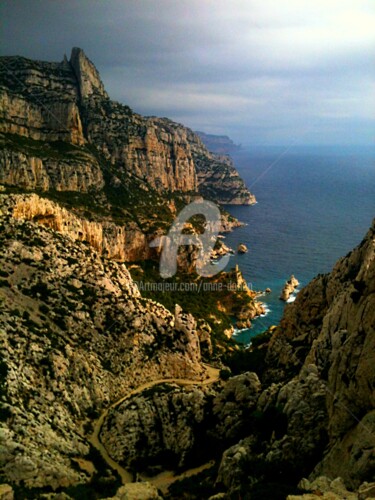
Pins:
x: 53, y: 102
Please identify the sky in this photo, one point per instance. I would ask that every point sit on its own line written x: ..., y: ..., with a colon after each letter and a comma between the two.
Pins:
x: 264, y: 72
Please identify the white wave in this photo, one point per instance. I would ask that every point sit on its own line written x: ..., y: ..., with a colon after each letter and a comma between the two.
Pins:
x: 267, y: 311
x: 237, y: 331
x: 293, y: 297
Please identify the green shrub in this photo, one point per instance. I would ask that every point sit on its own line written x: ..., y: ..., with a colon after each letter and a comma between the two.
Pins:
x: 225, y: 374
x: 43, y: 308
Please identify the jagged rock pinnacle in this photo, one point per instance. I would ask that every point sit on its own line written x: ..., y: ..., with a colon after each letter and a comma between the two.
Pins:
x: 87, y: 75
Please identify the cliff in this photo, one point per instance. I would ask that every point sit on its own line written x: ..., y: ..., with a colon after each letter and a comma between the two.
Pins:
x: 81, y: 347
x: 125, y: 242
x: 310, y: 414
x: 66, y: 103
x: 219, y: 144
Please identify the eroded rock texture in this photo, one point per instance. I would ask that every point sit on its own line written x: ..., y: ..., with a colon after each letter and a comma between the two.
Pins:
x: 65, y: 108
x: 315, y: 414
x: 75, y: 336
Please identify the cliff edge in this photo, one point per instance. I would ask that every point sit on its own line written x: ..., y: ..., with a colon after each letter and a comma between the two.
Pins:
x: 86, y: 141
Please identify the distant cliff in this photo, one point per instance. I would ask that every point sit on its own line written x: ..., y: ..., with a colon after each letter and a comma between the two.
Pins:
x: 60, y: 131
x: 221, y: 144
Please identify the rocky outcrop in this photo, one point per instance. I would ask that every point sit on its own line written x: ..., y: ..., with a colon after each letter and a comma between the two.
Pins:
x: 242, y: 248
x: 243, y: 312
x: 326, y: 488
x: 39, y: 100
x: 232, y: 406
x: 125, y: 243
x: 137, y: 491
x: 75, y: 335
x: 163, y: 425
x: 289, y: 288
x: 6, y: 492
x: 88, y: 77
x: 171, y: 425
x: 228, y: 222
x: 219, y: 180
x: 46, y: 169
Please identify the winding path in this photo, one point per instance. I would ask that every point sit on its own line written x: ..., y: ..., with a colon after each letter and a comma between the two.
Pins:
x: 165, y: 478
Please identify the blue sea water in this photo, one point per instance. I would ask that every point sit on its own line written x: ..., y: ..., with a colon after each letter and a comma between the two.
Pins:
x: 314, y: 205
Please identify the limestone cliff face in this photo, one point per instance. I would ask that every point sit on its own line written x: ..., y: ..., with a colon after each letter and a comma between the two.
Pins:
x: 67, y: 102
x: 216, y: 176
x: 218, y: 179
x: 331, y: 303
x: 125, y: 243
x: 39, y: 100
x: 39, y: 170
x: 89, y: 81
x: 154, y: 150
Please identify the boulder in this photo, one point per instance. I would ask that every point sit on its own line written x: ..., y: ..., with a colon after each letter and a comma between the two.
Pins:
x: 242, y: 248
x: 289, y: 288
x: 6, y: 492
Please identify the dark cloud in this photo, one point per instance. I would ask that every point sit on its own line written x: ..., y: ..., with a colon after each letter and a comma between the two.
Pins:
x: 259, y: 70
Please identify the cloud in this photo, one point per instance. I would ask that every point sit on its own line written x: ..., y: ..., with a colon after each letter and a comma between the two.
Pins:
x: 255, y: 69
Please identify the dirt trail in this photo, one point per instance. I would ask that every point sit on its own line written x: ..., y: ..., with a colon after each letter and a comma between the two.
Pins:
x: 164, y: 479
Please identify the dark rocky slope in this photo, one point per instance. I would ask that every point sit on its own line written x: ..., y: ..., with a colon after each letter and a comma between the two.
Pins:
x: 75, y: 336
x: 316, y: 415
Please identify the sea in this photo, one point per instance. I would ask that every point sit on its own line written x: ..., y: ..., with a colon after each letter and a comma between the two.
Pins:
x: 314, y: 205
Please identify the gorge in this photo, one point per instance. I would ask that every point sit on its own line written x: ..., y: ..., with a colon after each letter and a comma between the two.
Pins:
x: 98, y: 378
